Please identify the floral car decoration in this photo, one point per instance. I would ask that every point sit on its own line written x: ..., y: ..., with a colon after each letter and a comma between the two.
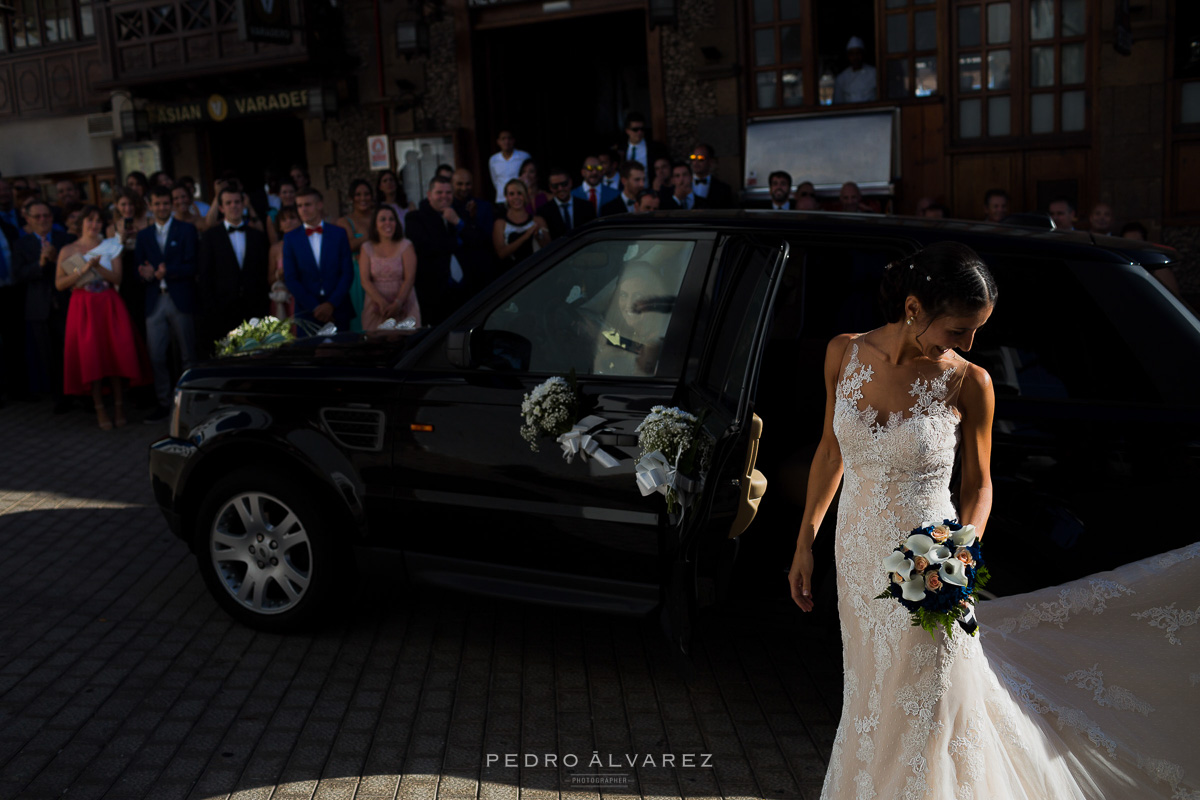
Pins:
x: 256, y: 333
x: 675, y: 454
x: 936, y: 575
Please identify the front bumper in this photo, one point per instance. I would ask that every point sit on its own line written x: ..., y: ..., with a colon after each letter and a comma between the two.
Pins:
x: 168, y: 461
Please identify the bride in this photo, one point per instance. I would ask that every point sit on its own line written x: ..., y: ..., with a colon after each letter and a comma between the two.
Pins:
x: 1080, y: 690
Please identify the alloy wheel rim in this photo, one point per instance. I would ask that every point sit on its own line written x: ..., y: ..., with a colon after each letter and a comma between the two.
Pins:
x: 261, y: 552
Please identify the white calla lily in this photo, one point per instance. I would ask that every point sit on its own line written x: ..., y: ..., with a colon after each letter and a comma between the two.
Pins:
x: 938, y: 554
x: 954, y: 571
x: 919, y: 544
x: 913, y: 590
x: 897, y: 562
x: 964, y: 537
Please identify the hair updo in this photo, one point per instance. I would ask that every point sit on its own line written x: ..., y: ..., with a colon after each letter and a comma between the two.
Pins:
x: 946, y: 277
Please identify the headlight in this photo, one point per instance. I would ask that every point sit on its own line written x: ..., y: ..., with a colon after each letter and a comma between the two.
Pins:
x: 176, y: 407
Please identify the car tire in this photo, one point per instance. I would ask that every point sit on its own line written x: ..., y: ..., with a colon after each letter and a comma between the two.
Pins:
x: 266, y: 551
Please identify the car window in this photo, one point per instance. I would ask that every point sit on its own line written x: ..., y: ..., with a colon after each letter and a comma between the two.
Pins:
x: 1049, y: 339
x: 605, y: 309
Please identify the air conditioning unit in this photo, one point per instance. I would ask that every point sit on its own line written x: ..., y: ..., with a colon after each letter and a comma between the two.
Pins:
x: 100, y: 125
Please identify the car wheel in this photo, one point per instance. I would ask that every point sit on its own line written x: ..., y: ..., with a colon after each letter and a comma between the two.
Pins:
x: 264, y: 550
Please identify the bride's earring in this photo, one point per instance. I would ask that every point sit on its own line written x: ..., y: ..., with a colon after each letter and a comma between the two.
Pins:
x: 908, y: 321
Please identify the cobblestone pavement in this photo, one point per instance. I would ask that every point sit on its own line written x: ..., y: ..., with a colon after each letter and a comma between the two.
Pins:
x: 120, y: 678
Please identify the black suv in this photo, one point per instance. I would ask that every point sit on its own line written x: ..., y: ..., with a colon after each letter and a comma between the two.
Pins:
x: 289, y: 470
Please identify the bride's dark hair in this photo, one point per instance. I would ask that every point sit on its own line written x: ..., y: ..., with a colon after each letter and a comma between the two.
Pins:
x: 947, y: 277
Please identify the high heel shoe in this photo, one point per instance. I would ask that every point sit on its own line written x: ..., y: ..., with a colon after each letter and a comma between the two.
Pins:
x: 102, y: 418
x: 119, y: 415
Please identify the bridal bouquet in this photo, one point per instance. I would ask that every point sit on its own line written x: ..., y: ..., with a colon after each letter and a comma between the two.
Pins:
x: 549, y: 410
x: 256, y: 333
x: 675, y: 447
x: 935, y: 574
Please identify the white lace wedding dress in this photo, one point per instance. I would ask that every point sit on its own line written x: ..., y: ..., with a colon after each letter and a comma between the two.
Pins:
x: 1086, y: 690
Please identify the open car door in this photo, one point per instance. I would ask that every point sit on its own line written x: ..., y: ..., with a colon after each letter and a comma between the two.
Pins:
x: 720, y: 384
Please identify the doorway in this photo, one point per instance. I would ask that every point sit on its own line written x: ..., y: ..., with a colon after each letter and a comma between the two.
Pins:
x: 252, y: 148
x: 563, y: 87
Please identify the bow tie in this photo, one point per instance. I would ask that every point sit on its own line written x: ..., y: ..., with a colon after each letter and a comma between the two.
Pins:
x: 700, y: 181
x: 235, y: 228
x: 310, y: 231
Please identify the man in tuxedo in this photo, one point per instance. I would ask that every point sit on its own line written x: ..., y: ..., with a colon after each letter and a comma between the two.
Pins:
x: 633, y: 180
x: 593, y: 189
x: 436, y: 231
x: 780, y: 185
x: 610, y: 176
x: 231, y: 270
x: 317, y: 266
x: 636, y: 146
x: 716, y: 192
x: 35, y: 259
x: 165, y: 254
x: 479, y: 255
x: 682, y: 198
x: 647, y: 201
x: 565, y: 211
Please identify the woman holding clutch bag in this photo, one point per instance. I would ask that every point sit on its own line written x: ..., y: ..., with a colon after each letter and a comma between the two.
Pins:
x: 100, y: 341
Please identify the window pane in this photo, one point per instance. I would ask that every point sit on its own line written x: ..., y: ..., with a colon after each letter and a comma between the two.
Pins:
x: 969, y: 113
x: 968, y: 26
x: 793, y: 87
x: 789, y: 43
x: 927, y: 76
x: 87, y: 28
x: 999, y: 116
x: 969, y: 69
x: 925, y: 30
x: 766, y: 89
x: 999, y: 64
x: 1189, y: 103
x: 764, y: 47
x: 897, y: 78
x: 789, y: 9
x: 764, y: 10
x: 1073, y: 111
x: 1072, y: 63
x: 999, y: 23
x: 1041, y: 113
x: 1073, y: 23
x: 1041, y: 66
x: 1041, y: 19
x: 630, y: 268
x: 4, y: 34
x: 25, y: 31
x: 897, y: 33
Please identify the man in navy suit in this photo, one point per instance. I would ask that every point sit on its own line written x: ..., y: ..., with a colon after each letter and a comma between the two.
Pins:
x: 592, y: 189
x: 165, y: 254
x: 565, y: 212
x: 317, y: 267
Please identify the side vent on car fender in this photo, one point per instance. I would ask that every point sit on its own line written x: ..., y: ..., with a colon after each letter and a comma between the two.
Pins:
x: 355, y: 428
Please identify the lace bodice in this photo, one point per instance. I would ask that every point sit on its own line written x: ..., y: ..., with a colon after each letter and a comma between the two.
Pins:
x: 939, y: 719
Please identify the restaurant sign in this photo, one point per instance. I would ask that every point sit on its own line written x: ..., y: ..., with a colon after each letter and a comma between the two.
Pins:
x: 219, y: 108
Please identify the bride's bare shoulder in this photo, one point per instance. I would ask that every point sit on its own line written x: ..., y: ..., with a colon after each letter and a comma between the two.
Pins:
x: 835, y: 351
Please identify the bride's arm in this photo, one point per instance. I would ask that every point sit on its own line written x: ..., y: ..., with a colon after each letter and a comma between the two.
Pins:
x: 978, y: 404
x: 824, y: 476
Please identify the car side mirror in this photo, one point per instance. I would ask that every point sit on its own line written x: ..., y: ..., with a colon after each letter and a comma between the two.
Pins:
x: 503, y: 351
x: 458, y: 349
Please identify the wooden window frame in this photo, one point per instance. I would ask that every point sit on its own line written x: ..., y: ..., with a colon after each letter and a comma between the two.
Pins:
x: 910, y: 10
x: 1177, y: 134
x: 806, y: 64
x: 1020, y: 91
x: 8, y: 39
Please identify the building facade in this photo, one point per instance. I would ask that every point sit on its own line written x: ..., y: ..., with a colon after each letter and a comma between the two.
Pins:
x: 1096, y: 100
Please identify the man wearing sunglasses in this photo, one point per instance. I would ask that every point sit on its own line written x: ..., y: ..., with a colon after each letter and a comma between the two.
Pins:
x: 565, y: 211
x: 715, y: 191
x: 806, y: 197
x: 637, y: 147
x: 593, y: 189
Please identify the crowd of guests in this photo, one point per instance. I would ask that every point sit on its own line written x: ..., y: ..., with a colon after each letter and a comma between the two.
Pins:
x: 95, y: 300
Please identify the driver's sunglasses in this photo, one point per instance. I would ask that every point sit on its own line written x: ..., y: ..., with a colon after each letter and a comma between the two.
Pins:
x: 559, y: 184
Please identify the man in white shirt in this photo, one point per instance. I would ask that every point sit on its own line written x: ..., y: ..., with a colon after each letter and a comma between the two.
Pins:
x: 780, y: 184
x: 506, y: 164
x: 856, y: 83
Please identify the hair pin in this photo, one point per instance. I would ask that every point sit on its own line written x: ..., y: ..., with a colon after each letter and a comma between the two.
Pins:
x: 928, y: 278
x: 912, y: 266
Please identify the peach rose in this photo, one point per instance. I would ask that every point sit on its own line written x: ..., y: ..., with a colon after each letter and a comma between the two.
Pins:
x: 896, y: 578
x: 964, y: 555
x: 933, y: 582
x: 940, y: 534
x: 920, y: 563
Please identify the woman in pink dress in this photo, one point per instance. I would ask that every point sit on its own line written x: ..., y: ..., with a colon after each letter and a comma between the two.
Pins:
x: 387, y: 267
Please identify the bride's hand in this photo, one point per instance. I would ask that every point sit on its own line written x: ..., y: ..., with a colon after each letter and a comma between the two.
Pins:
x: 800, y: 578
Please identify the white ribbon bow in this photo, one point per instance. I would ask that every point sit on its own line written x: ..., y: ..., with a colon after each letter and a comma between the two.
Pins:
x: 579, y: 442
x: 655, y: 474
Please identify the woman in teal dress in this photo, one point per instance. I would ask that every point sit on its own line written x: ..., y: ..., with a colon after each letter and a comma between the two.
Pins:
x: 356, y: 224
